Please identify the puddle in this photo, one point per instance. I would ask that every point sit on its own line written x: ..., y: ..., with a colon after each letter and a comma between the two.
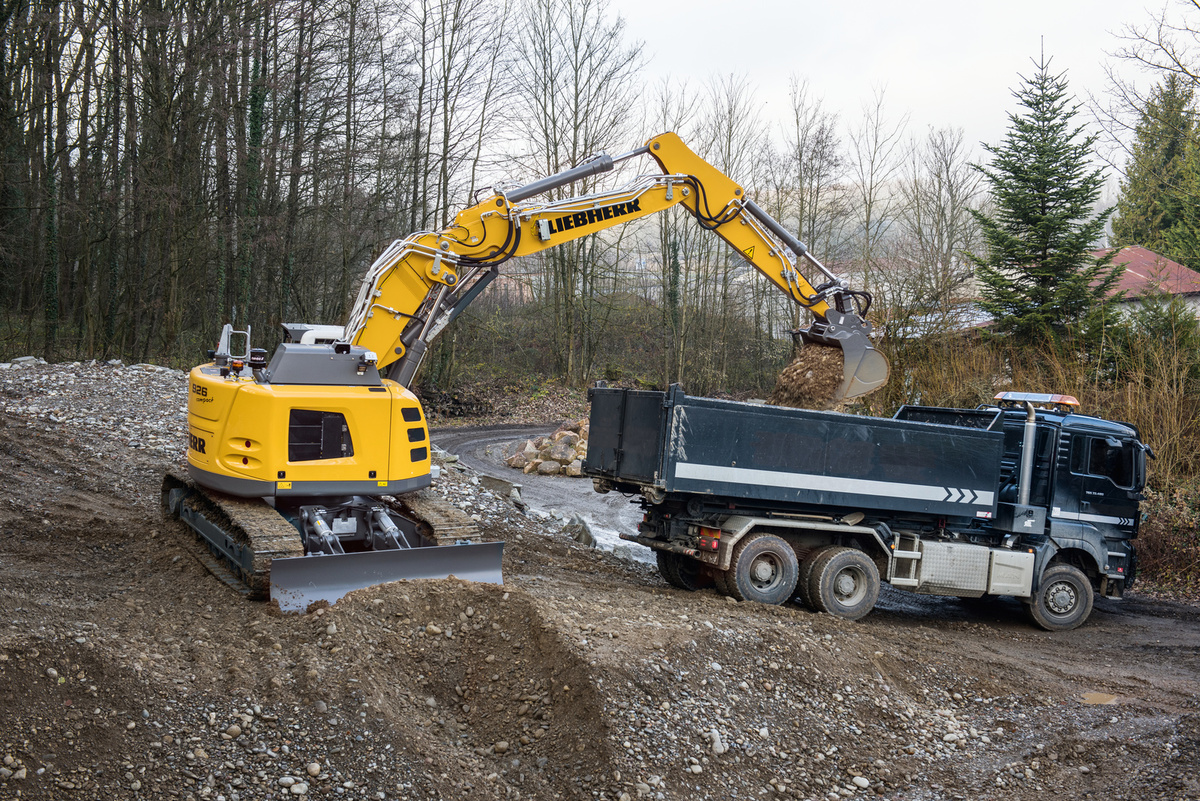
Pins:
x: 1099, y: 698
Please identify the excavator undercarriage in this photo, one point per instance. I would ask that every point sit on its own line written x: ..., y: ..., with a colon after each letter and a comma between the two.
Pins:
x: 260, y: 549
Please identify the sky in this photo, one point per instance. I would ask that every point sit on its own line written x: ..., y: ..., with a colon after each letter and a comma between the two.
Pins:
x: 945, y: 63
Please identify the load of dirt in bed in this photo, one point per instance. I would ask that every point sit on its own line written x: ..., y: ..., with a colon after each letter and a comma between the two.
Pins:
x: 811, y: 381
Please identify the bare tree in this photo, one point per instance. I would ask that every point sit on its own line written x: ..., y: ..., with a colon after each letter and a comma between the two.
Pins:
x: 1168, y: 43
x: 935, y: 228
x: 577, y: 99
x: 877, y: 153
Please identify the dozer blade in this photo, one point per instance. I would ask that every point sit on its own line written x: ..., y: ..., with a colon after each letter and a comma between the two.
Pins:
x: 864, y: 368
x: 300, y: 581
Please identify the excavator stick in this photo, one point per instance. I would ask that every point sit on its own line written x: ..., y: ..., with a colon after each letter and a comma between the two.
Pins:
x: 300, y: 581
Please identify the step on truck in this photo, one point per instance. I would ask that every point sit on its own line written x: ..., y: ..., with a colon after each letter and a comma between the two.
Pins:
x: 1025, y: 498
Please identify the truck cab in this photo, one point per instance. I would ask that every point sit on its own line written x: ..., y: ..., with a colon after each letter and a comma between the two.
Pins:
x: 1088, y: 475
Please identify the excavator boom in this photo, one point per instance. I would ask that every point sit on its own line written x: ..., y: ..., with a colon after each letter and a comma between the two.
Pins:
x: 444, y: 271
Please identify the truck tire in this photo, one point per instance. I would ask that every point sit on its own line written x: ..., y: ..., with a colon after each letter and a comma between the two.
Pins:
x: 678, y: 571
x: 764, y: 569
x: 803, y: 591
x: 844, y: 583
x: 721, y: 580
x: 1063, y: 600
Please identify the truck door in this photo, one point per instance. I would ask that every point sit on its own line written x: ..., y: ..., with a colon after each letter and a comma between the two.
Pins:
x: 1103, y: 486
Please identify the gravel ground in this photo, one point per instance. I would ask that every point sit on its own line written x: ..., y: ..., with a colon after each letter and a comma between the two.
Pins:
x: 126, y: 671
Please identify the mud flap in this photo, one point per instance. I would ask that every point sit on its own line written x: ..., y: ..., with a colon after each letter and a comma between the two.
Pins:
x: 300, y: 581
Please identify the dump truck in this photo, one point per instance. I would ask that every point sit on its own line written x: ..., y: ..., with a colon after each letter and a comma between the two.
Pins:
x: 1024, y: 497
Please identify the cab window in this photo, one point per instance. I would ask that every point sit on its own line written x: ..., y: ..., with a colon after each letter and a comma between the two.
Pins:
x: 1104, y: 457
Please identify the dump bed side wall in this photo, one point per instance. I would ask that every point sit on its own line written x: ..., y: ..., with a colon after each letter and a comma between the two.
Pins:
x: 775, y: 454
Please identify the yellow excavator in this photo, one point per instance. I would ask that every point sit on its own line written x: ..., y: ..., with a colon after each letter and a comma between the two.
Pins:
x: 307, y: 472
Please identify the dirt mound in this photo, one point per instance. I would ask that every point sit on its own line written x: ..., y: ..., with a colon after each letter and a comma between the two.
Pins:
x: 812, y: 380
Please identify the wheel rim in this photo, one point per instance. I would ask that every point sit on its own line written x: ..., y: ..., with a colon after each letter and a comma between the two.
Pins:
x: 1061, y: 598
x: 765, y: 571
x: 850, y: 586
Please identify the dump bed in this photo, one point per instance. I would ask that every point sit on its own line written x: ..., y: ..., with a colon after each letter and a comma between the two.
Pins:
x: 676, y: 444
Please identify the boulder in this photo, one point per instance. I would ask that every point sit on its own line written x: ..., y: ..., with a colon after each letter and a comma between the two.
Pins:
x: 562, y: 452
x: 580, y: 531
x: 549, y: 468
x: 575, y: 469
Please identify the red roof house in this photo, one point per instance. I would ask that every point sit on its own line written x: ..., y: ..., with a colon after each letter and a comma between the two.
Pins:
x: 1147, y: 273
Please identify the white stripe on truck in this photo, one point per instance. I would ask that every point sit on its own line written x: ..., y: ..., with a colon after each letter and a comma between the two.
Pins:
x: 808, y: 481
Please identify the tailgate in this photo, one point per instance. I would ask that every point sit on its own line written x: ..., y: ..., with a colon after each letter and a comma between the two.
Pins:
x: 625, y: 435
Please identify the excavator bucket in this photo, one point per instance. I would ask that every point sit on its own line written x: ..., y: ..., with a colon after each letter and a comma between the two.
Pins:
x: 300, y: 581
x: 864, y: 369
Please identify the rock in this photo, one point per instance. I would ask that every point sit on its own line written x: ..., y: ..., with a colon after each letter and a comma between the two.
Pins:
x: 299, y: 788
x: 234, y: 731
x: 575, y: 469
x: 331, y: 629
x: 861, y: 782
x: 51, y: 673
x: 531, y: 467
x: 313, y: 769
x: 286, y: 781
x: 580, y: 531
x: 501, y: 747
x: 518, y: 462
x: 549, y: 468
x: 433, y: 628
x: 568, y: 438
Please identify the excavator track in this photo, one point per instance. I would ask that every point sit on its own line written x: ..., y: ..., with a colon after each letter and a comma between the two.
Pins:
x: 436, y: 520
x: 251, y: 547
x: 237, y: 538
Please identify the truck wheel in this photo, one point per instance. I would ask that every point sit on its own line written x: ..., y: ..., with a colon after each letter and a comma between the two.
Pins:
x: 844, y: 583
x: 803, y: 586
x: 763, y: 569
x: 678, y: 571
x: 1064, y: 599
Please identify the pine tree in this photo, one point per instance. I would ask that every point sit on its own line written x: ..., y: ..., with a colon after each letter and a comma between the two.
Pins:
x: 1151, y: 200
x: 1182, y: 239
x: 1038, y: 280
